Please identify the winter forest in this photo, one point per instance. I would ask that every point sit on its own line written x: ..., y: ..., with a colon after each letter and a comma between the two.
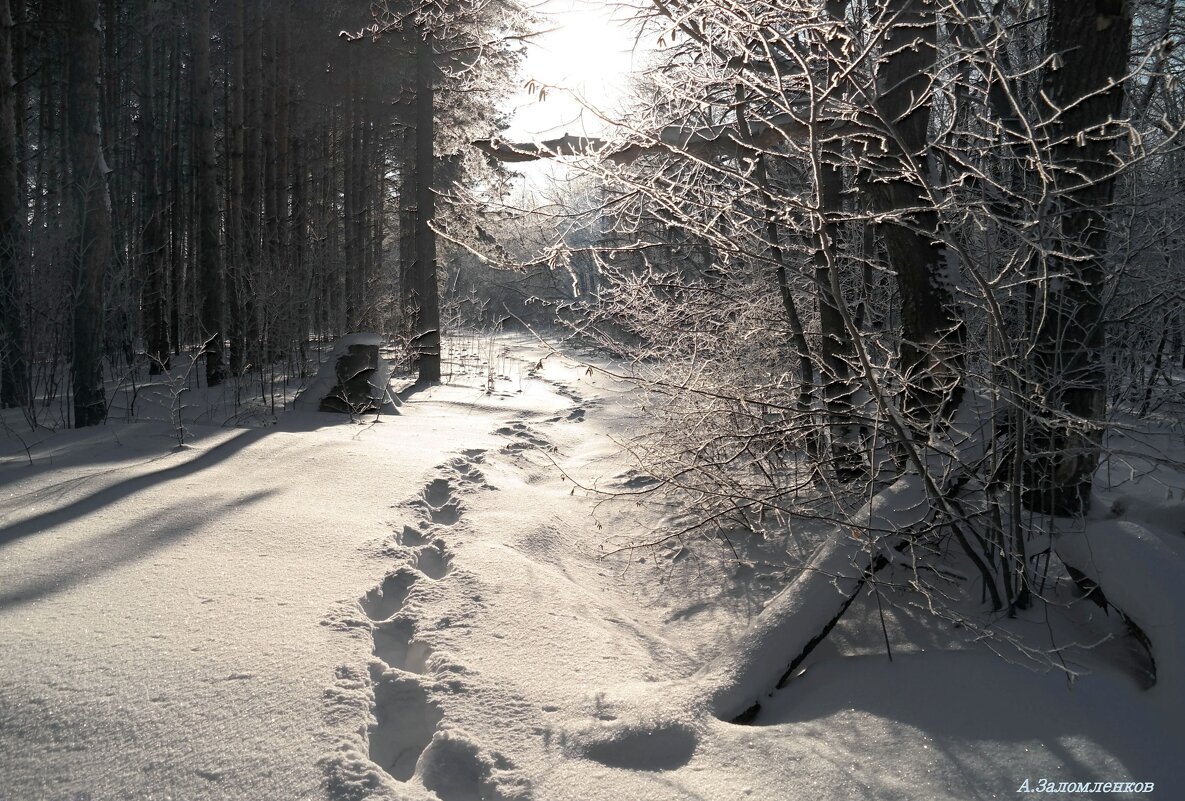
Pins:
x: 797, y: 412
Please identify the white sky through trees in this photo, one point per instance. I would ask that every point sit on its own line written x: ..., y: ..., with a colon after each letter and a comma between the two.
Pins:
x: 587, y: 52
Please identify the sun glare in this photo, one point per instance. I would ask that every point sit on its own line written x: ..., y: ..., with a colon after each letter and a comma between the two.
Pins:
x: 583, y: 59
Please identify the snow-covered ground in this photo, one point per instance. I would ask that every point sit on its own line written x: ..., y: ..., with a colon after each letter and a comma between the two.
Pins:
x: 427, y: 604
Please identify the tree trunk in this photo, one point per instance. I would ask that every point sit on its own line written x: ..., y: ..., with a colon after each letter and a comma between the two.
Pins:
x: 236, y: 212
x: 773, y: 241
x: 210, y: 270
x: 351, y: 246
x: 14, y: 378
x: 92, y: 225
x: 1090, y: 44
x: 152, y: 233
x: 836, y: 344
x: 932, y: 331
x: 426, y: 331
x: 249, y: 255
x: 407, y: 225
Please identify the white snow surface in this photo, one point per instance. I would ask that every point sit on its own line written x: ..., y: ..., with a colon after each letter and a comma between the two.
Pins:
x: 427, y: 605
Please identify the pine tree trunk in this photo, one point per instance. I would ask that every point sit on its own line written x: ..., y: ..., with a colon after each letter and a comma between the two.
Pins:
x: 92, y: 224
x: 152, y: 211
x: 351, y: 246
x: 236, y: 212
x: 210, y: 279
x: 407, y: 224
x: 426, y: 332
x: 250, y: 255
x: 14, y: 378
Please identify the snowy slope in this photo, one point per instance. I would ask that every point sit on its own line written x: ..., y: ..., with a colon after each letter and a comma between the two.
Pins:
x: 430, y: 607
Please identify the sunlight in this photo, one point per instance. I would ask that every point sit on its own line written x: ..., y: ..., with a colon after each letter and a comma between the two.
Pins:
x: 584, y: 60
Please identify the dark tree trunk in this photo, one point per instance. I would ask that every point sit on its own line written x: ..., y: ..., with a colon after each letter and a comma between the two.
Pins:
x: 836, y: 344
x: 236, y: 211
x: 932, y: 330
x: 351, y: 246
x: 152, y: 233
x: 407, y: 222
x: 1091, y: 41
x: 210, y: 270
x: 773, y: 241
x: 249, y: 253
x: 14, y: 378
x: 426, y: 331
x: 92, y: 224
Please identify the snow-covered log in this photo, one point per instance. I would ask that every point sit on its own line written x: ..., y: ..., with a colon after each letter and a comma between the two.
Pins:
x: 800, y: 617
x: 1125, y: 566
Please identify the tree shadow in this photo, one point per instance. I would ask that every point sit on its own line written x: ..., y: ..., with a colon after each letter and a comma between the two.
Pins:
x: 75, y: 562
x: 128, y: 487
x: 956, y: 703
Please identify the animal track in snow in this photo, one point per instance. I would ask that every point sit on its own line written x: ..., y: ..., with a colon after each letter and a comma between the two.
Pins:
x: 405, y: 719
x: 443, y: 506
x: 411, y: 537
x: 467, y: 473
x: 438, y: 492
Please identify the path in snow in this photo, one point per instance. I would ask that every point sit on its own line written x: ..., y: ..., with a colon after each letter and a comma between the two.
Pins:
x: 423, y: 608
x: 531, y: 667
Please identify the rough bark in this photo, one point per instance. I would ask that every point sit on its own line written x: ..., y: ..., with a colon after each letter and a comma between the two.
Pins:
x: 931, y: 326
x: 210, y: 270
x: 14, y: 377
x: 152, y: 232
x: 426, y: 330
x: 92, y: 223
x: 1089, y: 43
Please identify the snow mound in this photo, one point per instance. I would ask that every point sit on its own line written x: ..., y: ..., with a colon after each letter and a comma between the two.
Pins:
x: 338, y: 384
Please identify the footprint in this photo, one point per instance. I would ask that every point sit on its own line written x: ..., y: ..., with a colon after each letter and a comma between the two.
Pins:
x: 395, y: 643
x: 411, y: 537
x: 457, y: 769
x: 433, y: 561
x: 387, y: 598
x: 465, y: 470
x: 523, y: 438
x: 438, y: 492
x: 645, y: 747
x: 632, y: 479
x: 446, y: 515
x: 443, y: 506
x: 576, y: 415
x: 405, y: 719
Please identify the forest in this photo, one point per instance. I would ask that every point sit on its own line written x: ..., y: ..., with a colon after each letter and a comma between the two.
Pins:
x: 899, y: 280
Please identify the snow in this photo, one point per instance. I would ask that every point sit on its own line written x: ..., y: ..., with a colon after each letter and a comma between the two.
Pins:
x: 423, y: 605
